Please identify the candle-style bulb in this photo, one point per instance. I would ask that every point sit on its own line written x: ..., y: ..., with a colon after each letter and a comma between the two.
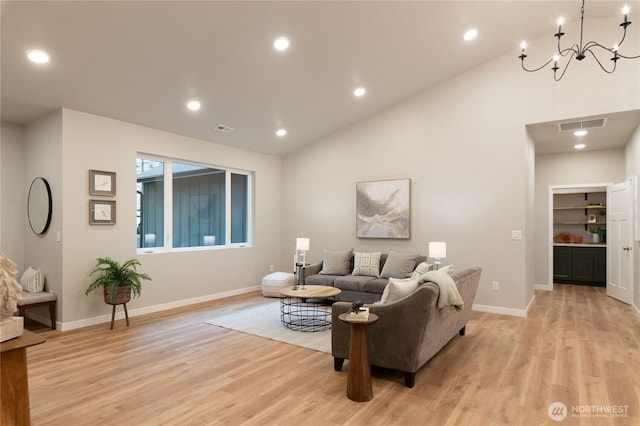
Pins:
x: 560, y: 21
x: 625, y: 10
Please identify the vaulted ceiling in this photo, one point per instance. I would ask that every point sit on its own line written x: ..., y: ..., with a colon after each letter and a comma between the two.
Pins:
x: 142, y: 61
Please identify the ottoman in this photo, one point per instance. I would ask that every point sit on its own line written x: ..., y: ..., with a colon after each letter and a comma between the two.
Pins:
x: 272, y: 283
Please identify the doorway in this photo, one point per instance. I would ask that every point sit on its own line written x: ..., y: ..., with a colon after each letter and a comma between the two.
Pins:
x: 590, y: 237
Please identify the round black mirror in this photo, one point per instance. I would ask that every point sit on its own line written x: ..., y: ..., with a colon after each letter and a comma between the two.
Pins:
x: 39, y: 205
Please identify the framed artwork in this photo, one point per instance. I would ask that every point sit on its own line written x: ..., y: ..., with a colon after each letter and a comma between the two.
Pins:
x: 382, y: 209
x: 102, y: 183
x: 102, y: 212
x: 592, y: 218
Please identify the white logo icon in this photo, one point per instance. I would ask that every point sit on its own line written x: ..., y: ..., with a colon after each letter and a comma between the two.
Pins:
x: 557, y: 411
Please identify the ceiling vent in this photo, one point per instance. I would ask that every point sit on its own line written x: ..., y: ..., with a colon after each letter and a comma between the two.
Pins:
x: 586, y: 124
x: 224, y: 128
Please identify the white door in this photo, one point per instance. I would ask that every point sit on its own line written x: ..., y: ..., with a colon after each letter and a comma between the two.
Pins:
x: 619, y: 242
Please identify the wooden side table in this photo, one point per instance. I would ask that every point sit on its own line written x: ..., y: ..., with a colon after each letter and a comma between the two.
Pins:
x: 359, y: 386
x: 14, y: 383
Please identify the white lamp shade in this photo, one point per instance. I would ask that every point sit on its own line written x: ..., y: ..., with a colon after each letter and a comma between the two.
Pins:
x: 302, y: 244
x: 438, y: 249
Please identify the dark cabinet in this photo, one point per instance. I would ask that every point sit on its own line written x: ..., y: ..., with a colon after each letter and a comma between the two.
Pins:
x: 562, y: 263
x: 580, y: 265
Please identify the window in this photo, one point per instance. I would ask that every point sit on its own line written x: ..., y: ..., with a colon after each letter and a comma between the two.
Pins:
x: 196, y: 205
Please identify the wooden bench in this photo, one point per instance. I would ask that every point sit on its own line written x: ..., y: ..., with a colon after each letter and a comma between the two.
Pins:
x: 34, y: 300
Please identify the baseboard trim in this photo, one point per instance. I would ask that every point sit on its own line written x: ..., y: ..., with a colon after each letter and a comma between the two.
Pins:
x: 66, y: 326
x: 500, y: 310
x: 635, y: 308
x: 545, y: 287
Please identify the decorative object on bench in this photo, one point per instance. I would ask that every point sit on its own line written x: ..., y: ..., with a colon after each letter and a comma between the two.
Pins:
x: 118, y: 282
x: 424, y: 328
x: 10, y: 326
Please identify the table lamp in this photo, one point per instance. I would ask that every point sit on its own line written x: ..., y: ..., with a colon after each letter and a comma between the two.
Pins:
x: 437, y: 250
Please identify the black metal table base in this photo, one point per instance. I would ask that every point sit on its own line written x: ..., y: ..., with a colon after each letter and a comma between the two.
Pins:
x: 305, y: 314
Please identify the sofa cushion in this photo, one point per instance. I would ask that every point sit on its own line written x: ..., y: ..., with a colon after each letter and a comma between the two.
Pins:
x: 376, y: 285
x: 319, y: 279
x: 352, y: 282
x: 366, y: 264
x: 399, y: 265
x: 397, y: 289
x: 336, y: 262
x: 32, y: 280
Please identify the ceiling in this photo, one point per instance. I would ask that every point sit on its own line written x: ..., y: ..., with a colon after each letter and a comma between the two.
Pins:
x: 616, y: 132
x: 142, y: 61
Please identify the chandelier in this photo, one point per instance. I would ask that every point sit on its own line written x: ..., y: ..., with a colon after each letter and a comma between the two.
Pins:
x: 579, y: 51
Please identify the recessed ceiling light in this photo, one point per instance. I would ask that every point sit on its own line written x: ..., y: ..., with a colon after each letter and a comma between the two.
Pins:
x: 281, y: 132
x: 193, y: 105
x: 281, y: 43
x: 360, y: 91
x: 580, y: 132
x: 580, y: 146
x: 470, y: 34
x: 38, y: 56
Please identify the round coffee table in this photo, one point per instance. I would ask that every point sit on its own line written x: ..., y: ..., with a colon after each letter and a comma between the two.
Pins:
x: 307, y: 308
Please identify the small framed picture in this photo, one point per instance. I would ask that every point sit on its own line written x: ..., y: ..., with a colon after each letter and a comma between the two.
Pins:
x: 102, y: 212
x: 102, y: 183
x: 592, y: 218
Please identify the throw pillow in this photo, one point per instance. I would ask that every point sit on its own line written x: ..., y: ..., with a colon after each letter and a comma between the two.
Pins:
x: 399, y: 265
x: 421, y: 269
x: 32, y: 280
x: 336, y: 262
x: 397, y: 289
x: 446, y: 269
x: 366, y: 264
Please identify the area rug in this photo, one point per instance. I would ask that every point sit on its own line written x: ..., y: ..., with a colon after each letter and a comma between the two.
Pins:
x: 264, y: 321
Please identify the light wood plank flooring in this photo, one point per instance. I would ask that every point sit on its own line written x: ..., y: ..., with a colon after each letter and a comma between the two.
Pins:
x: 577, y: 346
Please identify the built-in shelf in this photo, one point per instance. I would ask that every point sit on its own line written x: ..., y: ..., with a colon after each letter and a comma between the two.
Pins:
x: 581, y: 208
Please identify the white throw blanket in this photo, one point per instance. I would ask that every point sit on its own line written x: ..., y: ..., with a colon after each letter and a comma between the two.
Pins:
x: 449, y: 294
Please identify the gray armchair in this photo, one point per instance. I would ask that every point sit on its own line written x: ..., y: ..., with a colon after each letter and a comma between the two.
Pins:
x: 409, y: 331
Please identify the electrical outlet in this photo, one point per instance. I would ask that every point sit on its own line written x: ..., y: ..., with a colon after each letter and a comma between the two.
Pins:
x: 270, y: 268
x: 516, y: 235
x: 495, y: 286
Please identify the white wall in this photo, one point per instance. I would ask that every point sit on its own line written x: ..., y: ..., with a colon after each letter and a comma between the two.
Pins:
x: 14, y: 199
x: 579, y: 168
x: 43, y: 158
x: 465, y: 147
x: 62, y: 147
x: 93, y: 142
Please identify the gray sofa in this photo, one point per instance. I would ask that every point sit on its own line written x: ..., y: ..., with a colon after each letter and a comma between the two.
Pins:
x: 409, y: 331
x: 367, y: 289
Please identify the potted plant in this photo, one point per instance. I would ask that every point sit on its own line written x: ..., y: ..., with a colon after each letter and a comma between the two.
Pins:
x: 595, y: 234
x: 119, y: 281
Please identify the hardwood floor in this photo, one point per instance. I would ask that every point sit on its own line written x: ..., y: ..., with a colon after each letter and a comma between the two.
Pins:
x: 578, y: 346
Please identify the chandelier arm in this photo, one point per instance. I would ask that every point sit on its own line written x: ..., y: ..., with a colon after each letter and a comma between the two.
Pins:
x: 600, y: 63
x: 591, y: 44
x: 537, y: 69
x: 574, y: 50
x: 628, y: 57
x: 564, y: 69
